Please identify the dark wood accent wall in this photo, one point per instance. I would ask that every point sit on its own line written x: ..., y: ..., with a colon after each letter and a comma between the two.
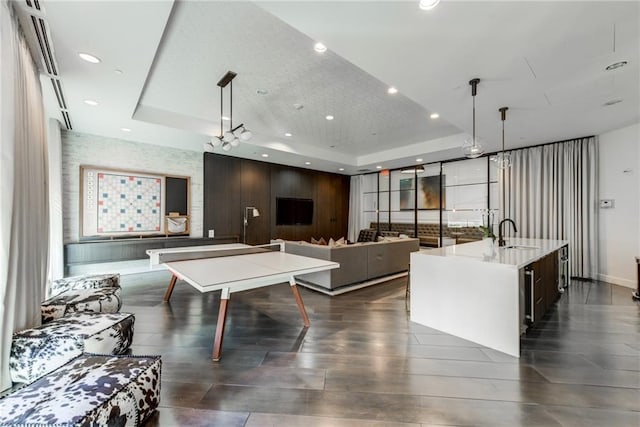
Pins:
x: 231, y: 184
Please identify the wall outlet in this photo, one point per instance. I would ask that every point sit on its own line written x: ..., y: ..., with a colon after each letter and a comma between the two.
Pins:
x: 212, y: 234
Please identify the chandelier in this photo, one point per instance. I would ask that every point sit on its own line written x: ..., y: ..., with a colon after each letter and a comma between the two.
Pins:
x: 233, y: 136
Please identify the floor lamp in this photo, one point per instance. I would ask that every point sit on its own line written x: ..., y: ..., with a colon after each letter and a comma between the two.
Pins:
x: 254, y: 213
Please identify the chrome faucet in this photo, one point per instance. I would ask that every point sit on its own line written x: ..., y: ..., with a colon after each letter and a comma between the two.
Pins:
x: 501, y: 241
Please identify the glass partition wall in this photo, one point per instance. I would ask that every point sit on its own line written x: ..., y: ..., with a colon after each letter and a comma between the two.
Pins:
x: 440, y: 203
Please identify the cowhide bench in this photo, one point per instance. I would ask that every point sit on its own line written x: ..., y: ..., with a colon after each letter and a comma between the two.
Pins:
x: 38, y: 351
x: 98, y: 293
x: 90, y: 390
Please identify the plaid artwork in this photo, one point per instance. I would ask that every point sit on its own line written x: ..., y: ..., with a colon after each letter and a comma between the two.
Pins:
x: 128, y: 203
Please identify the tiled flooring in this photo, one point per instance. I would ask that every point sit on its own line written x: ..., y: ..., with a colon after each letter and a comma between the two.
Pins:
x: 363, y: 363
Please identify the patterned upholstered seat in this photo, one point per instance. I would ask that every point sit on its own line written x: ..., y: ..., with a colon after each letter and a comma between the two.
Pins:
x: 98, y: 293
x: 367, y: 235
x: 87, y: 281
x: 38, y: 351
x: 90, y: 390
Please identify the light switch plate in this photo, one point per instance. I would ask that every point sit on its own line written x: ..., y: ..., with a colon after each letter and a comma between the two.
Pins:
x: 212, y: 234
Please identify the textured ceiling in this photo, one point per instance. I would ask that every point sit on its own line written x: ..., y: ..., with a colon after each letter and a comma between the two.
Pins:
x: 544, y: 60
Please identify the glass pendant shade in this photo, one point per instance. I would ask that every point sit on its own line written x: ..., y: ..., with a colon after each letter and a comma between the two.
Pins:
x: 208, y: 147
x: 215, y: 141
x: 501, y: 160
x: 228, y: 136
x: 226, y: 146
x: 472, y: 148
x: 235, y: 142
x: 246, y: 135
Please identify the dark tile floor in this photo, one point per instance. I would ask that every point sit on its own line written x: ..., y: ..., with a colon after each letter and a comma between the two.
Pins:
x: 363, y: 363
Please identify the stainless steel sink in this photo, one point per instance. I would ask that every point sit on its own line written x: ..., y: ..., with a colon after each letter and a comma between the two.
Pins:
x: 522, y: 247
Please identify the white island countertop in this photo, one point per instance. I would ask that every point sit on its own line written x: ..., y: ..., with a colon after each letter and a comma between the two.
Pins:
x: 525, y: 251
x: 476, y: 290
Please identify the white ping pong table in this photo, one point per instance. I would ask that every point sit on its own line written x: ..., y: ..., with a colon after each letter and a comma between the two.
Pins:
x: 233, y: 268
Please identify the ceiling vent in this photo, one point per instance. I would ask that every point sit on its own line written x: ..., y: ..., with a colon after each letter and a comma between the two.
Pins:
x: 33, y: 4
x: 49, y: 64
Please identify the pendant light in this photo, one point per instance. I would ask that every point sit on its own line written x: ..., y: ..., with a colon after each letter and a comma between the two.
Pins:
x: 234, y: 135
x: 472, y: 148
x: 502, y: 160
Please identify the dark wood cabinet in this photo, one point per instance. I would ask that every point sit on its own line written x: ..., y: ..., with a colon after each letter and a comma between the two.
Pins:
x: 541, y: 289
x: 231, y: 184
x: 332, y: 206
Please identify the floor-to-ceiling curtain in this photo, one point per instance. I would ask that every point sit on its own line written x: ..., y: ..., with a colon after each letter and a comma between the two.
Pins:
x: 551, y: 193
x: 23, y: 192
x: 355, y: 207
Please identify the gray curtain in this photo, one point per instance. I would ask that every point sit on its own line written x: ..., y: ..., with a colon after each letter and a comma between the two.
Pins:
x: 356, y: 209
x: 23, y: 189
x: 552, y: 193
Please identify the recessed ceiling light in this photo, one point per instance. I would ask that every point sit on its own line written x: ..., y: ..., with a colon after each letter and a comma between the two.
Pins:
x: 89, y: 58
x: 378, y: 167
x: 428, y: 4
x: 262, y: 91
x: 434, y: 115
x: 319, y: 47
x: 298, y: 106
x: 225, y: 118
x: 329, y: 117
x: 418, y: 160
x: 288, y: 134
x: 125, y: 129
x: 118, y: 72
x: 341, y: 169
x: 392, y: 90
x: 307, y: 163
x: 90, y: 102
x: 612, y: 102
x: 265, y: 155
x: 616, y: 65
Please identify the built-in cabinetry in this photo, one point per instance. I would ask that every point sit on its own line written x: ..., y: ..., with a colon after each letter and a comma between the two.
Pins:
x: 101, y: 251
x: 541, y: 289
x: 232, y: 184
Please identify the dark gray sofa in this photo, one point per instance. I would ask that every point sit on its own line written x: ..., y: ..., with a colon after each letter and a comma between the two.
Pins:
x: 359, y: 262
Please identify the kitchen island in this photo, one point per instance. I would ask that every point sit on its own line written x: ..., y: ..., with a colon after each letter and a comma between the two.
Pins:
x: 484, y: 293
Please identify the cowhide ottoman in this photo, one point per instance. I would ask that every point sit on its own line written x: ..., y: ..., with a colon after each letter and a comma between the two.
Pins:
x: 90, y: 390
x: 99, y: 300
x: 87, y: 281
x: 36, y: 352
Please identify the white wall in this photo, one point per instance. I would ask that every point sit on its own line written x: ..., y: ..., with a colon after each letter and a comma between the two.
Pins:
x: 619, y: 179
x: 84, y: 149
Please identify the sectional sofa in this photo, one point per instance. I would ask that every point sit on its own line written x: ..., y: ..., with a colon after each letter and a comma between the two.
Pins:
x: 361, y: 264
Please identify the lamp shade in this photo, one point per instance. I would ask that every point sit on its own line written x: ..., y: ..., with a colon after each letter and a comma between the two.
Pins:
x: 255, y: 212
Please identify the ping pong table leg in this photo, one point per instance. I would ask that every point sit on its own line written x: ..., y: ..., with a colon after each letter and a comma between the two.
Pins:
x: 172, y: 283
x: 296, y: 294
x: 222, y: 319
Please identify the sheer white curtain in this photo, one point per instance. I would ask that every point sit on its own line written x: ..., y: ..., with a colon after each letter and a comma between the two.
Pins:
x: 23, y: 186
x: 356, y: 209
x: 552, y: 193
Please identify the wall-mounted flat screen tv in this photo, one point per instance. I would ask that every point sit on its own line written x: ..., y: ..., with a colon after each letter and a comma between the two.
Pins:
x: 291, y: 211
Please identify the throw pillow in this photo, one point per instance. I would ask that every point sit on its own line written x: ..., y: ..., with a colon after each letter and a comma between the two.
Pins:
x: 314, y: 241
x: 322, y: 241
x: 332, y: 242
x: 340, y: 241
